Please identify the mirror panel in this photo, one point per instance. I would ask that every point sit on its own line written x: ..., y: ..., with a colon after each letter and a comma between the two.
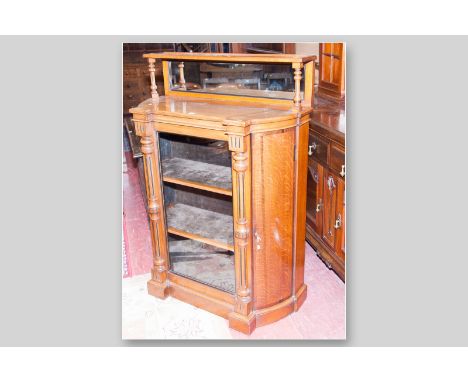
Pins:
x: 239, y: 79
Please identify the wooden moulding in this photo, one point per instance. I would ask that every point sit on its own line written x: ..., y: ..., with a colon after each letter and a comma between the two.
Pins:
x: 278, y: 311
x: 223, y: 304
x: 192, y: 131
x: 202, y: 296
x: 200, y: 300
x: 200, y: 238
x: 227, y: 97
x: 200, y: 186
x: 232, y: 57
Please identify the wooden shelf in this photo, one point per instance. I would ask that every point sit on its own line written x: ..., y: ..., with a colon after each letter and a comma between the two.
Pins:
x: 201, y: 175
x: 201, y: 225
x: 203, y: 263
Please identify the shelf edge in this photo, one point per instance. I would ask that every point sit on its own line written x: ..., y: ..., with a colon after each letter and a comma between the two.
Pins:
x: 200, y: 186
x: 199, y: 238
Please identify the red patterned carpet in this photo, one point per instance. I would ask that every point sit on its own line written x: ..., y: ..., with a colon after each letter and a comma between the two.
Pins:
x: 138, y: 243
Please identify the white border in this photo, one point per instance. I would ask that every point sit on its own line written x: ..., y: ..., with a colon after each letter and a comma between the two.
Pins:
x: 233, y: 364
x: 149, y: 17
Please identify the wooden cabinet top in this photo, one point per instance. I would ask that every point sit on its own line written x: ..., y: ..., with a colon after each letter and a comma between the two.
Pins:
x: 231, y: 57
x: 329, y: 119
x: 221, y: 115
x: 227, y: 112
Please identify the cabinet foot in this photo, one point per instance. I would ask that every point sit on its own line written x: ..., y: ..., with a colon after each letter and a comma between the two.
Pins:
x: 158, y: 290
x: 244, y: 324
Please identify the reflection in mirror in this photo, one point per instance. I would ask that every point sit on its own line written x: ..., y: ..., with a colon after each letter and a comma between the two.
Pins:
x: 251, y: 80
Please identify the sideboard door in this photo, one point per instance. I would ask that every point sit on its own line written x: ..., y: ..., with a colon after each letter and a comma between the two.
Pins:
x: 340, y: 220
x: 329, y: 208
x: 315, y: 197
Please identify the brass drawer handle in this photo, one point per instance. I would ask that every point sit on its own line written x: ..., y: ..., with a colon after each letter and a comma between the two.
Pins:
x: 313, y: 146
x: 338, y: 222
x: 343, y: 170
x: 319, y: 206
x: 331, y: 183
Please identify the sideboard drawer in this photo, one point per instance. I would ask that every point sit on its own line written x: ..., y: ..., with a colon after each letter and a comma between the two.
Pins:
x: 337, y: 159
x: 318, y: 148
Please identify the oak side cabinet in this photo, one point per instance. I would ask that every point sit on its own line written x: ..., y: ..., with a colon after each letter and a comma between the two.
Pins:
x: 225, y: 162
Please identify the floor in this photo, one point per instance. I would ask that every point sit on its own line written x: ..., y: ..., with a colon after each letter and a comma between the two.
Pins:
x: 135, y: 222
x: 322, y: 316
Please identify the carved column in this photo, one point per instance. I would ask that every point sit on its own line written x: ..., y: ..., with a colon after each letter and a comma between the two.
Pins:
x: 297, y: 79
x: 149, y: 148
x: 242, y: 318
x: 152, y: 71
x: 182, y: 76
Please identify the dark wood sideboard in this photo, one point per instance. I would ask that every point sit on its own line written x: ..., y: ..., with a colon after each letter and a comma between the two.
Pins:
x: 326, y: 184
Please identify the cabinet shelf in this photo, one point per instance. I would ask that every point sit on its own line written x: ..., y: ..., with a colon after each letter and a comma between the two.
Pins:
x: 205, y: 226
x: 203, y: 263
x: 196, y: 174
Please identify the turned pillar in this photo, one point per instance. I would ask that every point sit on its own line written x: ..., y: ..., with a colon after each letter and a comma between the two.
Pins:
x: 182, y: 76
x: 242, y: 318
x: 152, y: 72
x: 149, y: 149
x: 297, y: 84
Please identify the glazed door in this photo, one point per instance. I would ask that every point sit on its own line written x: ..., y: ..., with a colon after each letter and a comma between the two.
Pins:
x: 332, y: 68
x: 314, y: 208
x: 329, y: 208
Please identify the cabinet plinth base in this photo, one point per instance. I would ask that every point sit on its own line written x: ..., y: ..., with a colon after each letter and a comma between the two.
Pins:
x: 243, y: 324
x: 284, y: 308
x: 300, y: 297
x: 215, y: 303
x: 158, y: 290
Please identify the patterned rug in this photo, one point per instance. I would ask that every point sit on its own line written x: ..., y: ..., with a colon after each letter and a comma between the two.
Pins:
x: 126, y: 272
x: 146, y: 317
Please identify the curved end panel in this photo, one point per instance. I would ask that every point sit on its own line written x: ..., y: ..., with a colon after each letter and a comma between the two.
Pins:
x: 273, y: 216
x: 285, y: 308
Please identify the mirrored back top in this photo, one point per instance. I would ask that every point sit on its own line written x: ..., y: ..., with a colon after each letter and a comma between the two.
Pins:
x: 266, y: 78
